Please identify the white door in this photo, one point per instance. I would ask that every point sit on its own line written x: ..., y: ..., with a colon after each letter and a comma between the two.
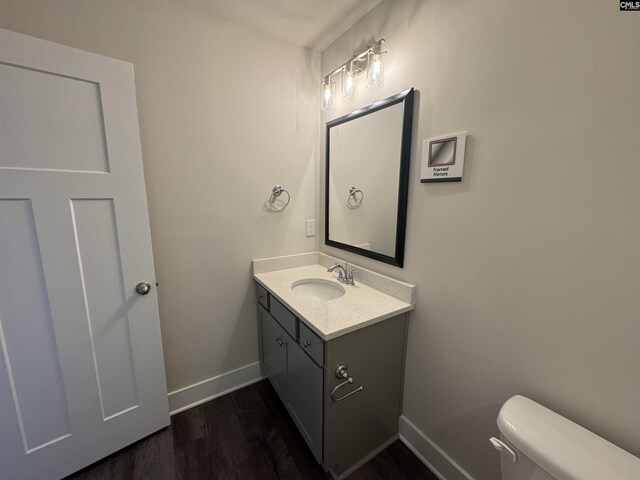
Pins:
x: 81, y: 365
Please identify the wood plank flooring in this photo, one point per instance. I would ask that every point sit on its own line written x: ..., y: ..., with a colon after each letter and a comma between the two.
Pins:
x: 244, y: 435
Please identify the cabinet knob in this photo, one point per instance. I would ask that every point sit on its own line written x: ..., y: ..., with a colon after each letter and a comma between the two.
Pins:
x: 306, y: 344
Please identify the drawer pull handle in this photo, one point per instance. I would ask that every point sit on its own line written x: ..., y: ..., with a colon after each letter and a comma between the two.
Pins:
x: 343, y: 372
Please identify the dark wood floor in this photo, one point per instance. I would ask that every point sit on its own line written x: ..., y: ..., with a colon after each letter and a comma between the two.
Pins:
x: 244, y: 435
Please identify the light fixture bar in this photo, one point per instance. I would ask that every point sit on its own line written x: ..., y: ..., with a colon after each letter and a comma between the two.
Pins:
x: 371, y: 59
x: 360, y: 57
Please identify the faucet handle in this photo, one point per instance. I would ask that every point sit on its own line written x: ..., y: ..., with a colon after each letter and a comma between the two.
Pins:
x: 350, y: 274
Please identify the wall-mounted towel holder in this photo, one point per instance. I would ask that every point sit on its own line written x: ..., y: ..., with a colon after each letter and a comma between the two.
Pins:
x: 276, y: 192
x: 353, y: 201
x: 343, y: 372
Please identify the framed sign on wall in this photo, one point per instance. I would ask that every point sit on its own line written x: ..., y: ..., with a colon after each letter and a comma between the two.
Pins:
x: 443, y: 158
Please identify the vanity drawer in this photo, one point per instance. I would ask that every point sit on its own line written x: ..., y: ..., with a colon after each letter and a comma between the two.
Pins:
x: 312, y: 344
x: 283, y: 316
x: 263, y: 296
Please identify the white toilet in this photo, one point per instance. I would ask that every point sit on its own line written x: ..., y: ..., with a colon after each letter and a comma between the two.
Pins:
x: 538, y: 444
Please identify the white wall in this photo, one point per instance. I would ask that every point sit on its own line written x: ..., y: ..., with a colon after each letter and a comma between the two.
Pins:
x: 225, y: 113
x: 527, y: 272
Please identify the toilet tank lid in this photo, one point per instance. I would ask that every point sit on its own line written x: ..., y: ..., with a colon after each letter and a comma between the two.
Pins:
x: 564, y: 449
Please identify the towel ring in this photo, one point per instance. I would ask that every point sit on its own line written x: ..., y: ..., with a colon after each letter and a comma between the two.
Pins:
x: 275, y: 194
x: 352, y: 198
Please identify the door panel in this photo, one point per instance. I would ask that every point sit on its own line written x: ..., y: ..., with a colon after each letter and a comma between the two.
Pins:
x: 81, y: 366
x: 33, y: 101
x: 96, y: 237
x: 26, y: 331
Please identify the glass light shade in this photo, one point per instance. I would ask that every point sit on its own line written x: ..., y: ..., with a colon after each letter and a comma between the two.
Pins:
x: 349, y: 81
x: 375, y: 68
x: 328, y: 94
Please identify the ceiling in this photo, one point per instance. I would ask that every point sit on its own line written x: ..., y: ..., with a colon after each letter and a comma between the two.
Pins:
x: 313, y: 24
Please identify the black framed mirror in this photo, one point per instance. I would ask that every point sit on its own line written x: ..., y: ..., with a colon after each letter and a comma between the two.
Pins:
x: 367, y: 179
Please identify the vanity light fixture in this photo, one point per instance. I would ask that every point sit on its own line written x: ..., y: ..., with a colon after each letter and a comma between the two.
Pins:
x: 370, y: 59
x: 375, y: 67
x: 328, y: 93
x: 349, y: 80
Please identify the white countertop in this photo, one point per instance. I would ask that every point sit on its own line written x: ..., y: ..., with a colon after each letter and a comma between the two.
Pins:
x: 359, y: 307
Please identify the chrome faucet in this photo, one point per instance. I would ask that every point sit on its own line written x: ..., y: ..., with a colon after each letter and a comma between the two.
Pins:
x: 345, y: 275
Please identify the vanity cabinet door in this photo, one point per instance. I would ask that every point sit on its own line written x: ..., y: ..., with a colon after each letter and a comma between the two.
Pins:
x: 274, y: 352
x: 304, y: 397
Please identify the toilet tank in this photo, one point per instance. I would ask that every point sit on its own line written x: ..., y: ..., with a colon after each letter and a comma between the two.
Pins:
x: 538, y: 444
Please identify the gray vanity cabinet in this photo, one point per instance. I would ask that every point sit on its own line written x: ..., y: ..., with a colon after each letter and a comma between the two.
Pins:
x: 344, y: 420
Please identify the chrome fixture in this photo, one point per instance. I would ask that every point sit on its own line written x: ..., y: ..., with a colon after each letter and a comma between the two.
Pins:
x: 328, y: 93
x: 276, y: 191
x: 345, y: 275
x: 143, y: 288
x: 352, y: 199
x: 342, y: 274
x: 342, y: 372
x: 371, y: 60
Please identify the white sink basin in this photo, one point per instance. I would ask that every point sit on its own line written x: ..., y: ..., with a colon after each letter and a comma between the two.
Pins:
x: 318, y: 288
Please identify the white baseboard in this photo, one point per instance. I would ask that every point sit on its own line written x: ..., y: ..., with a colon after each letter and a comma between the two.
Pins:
x: 201, y: 392
x: 422, y: 446
x: 430, y: 453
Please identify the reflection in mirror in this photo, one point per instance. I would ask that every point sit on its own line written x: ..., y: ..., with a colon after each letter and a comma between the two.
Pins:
x: 367, y: 179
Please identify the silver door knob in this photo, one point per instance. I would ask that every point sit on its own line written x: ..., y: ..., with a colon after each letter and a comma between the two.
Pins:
x: 143, y: 288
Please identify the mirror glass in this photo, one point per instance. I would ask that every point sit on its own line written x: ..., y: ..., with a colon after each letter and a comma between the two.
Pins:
x: 367, y: 179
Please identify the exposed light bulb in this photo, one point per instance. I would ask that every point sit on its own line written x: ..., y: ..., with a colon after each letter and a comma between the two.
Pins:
x: 350, y: 83
x: 349, y: 73
x: 328, y: 93
x: 375, y: 68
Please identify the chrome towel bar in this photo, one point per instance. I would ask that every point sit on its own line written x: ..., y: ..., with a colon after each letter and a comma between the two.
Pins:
x: 343, y: 372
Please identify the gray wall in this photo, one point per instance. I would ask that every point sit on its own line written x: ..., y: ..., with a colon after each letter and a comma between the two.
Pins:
x: 527, y: 273
x: 225, y: 113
